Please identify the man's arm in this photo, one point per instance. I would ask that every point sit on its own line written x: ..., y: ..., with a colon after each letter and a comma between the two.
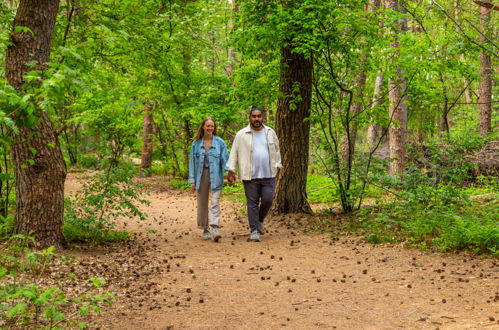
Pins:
x: 231, y: 164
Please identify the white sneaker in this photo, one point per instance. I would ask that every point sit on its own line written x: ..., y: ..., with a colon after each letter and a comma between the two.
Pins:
x: 206, y: 234
x: 255, y: 236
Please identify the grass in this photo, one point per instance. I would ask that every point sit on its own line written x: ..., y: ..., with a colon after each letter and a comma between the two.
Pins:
x: 79, y: 234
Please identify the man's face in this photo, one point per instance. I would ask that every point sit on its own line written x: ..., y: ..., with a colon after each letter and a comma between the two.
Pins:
x: 256, y: 119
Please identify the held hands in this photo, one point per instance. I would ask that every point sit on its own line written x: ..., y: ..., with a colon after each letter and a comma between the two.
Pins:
x: 231, y: 178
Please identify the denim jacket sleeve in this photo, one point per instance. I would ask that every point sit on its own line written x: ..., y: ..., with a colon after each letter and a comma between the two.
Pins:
x: 225, y: 156
x: 192, y: 174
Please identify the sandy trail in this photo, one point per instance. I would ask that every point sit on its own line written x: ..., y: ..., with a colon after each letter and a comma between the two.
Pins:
x: 167, y: 277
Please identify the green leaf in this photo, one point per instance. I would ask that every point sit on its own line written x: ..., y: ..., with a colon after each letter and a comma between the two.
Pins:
x: 20, y: 308
x: 23, y: 29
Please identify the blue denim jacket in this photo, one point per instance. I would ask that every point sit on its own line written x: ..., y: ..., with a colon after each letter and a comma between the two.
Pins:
x: 218, y: 156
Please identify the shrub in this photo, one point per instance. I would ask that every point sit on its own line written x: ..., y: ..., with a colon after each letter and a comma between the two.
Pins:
x: 107, y: 195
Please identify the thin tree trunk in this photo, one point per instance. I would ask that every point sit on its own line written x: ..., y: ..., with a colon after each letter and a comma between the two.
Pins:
x: 39, y: 165
x: 443, y: 122
x: 349, y: 140
x: 397, y: 108
x: 187, y: 145
x: 231, y: 55
x: 147, y: 146
x: 485, y: 106
x: 467, y: 92
x: 374, y: 131
x: 293, y: 131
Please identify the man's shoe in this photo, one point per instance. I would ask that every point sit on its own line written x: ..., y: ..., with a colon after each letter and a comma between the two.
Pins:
x: 260, y: 227
x: 206, y: 234
x: 255, y: 236
x: 216, y: 234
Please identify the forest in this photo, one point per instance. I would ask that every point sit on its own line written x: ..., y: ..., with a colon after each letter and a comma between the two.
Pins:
x: 385, y: 110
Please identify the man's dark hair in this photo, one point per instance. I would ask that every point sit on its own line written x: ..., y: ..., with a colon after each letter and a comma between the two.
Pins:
x: 254, y: 108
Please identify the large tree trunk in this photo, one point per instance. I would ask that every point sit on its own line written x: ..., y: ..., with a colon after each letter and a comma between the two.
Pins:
x: 485, y: 107
x: 293, y: 131
x: 147, y: 147
x: 397, y: 108
x: 39, y: 166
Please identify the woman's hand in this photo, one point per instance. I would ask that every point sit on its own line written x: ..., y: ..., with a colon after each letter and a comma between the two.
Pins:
x: 193, y: 187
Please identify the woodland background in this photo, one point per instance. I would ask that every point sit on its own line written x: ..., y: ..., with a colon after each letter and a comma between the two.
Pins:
x: 385, y: 110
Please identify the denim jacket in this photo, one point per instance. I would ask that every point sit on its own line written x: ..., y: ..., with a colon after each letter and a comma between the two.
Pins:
x: 218, y: 156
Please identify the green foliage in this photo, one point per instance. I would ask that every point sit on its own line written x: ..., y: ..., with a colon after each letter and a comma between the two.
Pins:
x: 428, y: 215
x: 26, y: 301
x: 6, y: 226
x: 91, y: 214
x: 320, y: 189
x: 180, y: 184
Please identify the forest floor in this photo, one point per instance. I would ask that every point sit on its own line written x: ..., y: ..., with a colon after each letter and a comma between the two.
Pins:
x: 167, y: 277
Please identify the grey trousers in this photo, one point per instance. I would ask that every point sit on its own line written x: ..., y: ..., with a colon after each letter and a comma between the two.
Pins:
x: 208, y: 215
x: 259, y: 197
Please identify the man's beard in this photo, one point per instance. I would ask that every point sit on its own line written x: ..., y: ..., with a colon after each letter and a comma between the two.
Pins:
x: 256, y: 124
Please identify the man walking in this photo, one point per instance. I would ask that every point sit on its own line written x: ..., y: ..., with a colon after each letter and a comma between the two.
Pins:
x: 256, y: 152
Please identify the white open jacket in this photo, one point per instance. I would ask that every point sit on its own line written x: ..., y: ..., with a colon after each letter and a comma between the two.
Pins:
x: 241, y: 152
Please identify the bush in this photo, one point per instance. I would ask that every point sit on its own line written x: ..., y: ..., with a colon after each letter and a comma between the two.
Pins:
x: 107, y: 195
x: 89, y: 161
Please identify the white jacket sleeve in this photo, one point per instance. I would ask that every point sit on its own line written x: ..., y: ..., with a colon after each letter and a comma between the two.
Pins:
x: 231, y: 164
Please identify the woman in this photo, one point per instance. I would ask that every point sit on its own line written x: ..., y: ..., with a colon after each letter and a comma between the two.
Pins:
x: 207, y: 160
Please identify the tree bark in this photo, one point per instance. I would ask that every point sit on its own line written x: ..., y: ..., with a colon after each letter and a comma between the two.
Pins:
x: 397, y: 108
x: 36, y: 154
x: 293, y: 131
x: 349, y: 140
x: 485, y: 106
x: 231, y: 55
x: 374, y: 131
x: 147, y: 147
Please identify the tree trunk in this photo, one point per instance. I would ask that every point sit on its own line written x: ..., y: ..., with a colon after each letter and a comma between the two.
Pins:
x: 293, y: 131
x: 147, y: 146
x: 348, y: 140
x: 397, y: 109
x: 485, y: 106
x: 443, y: 120
x: 374, y: 131
x: 231, y: 55
x: 39, y: 166
x: 187, y: 146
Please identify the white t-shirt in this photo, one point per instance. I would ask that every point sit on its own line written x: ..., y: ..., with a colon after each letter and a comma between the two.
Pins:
x: 261, y: 158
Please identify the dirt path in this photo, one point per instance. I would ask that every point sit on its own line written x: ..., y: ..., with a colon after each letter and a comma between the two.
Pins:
x: 166, y: 277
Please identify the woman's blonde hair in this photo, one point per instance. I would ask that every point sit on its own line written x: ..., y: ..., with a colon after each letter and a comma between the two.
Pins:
x: 200, y: 132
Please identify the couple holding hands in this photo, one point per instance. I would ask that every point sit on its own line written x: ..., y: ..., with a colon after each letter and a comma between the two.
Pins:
x: 255, y: 151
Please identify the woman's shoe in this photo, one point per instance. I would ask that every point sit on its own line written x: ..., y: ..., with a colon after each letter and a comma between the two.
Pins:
x: 206, y: 234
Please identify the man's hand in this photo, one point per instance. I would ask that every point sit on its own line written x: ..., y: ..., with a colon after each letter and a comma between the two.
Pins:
x: 231, y: 178
x: 193, y: 187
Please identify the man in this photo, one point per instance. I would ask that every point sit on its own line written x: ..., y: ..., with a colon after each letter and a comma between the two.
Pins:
x: 256, y: 152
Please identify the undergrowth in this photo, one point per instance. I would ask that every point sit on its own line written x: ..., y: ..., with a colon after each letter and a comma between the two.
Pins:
x: 28, y: 297
x: 90, y: 215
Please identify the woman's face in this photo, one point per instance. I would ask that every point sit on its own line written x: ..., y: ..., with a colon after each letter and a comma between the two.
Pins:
x: 209, y: 127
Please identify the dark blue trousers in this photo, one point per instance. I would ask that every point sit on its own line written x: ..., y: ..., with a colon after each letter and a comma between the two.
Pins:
x: 259, y: 197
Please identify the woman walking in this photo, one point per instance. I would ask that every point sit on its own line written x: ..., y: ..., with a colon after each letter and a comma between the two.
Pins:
x: 207, y: 161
